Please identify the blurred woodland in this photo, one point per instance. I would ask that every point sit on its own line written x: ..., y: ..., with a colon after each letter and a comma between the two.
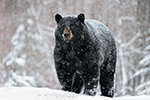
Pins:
x: 27, y: 40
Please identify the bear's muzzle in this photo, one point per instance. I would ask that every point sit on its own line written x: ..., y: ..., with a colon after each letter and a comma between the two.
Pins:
x: 67, y: 34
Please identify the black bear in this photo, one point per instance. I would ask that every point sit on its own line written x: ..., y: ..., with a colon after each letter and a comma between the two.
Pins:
x: 85, y: 55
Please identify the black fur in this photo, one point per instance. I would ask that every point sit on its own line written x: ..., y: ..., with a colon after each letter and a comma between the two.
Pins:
x: 81, y: 17
x: 86, y: 59
x: 58, y: 18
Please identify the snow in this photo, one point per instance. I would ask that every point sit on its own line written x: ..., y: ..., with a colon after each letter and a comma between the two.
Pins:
x: 145, y: 61
x: 20, y: 61
x: 18, y: 80
x: 129, y: 18
x: 147, y: 48
x: 31, y: 93
x: 30, y: 21
x: 140, y: 90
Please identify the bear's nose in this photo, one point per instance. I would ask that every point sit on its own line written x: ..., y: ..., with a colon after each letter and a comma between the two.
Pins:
x: 66, y: 35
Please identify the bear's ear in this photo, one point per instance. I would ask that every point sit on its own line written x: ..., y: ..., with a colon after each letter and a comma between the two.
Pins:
x: 81, y: 17
x: 58, y: 18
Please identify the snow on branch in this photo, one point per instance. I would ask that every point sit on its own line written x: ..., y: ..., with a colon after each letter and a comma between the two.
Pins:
x: 131, y: 41
x: 130, y: 18
x: 141, y: 88
x: 141, y: 72
x: 145, y: 61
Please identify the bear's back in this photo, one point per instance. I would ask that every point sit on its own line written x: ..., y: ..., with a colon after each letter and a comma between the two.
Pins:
x: 101, y: 34
x: 98, y: 29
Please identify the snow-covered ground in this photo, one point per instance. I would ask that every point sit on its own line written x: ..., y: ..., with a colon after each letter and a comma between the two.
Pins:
x: 24, y: 93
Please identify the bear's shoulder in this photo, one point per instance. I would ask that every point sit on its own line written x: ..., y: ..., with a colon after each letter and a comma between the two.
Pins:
x: 97, y: 25
x: 97, y: 28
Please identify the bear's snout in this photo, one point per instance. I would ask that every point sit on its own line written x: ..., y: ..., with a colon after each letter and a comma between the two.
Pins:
x: 67, y: 34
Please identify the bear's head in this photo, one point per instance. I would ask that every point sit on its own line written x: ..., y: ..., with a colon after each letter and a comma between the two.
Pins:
x: 69, y: 28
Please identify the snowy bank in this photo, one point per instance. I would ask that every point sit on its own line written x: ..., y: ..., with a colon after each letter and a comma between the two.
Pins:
x: 26, y: 93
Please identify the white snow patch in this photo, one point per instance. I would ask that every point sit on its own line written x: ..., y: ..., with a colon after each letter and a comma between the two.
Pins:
x: 133, y: 98
x: 30, y: 21
x: 21, y: 27
x: 20, y: 61
x: 26, y: 93
x: 84, y: 97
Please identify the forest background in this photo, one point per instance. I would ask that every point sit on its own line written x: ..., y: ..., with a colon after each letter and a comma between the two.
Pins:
x: 27, y: 40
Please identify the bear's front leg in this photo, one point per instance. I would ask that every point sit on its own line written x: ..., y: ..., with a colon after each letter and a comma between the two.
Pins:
x: 65, y: 79
x: 77, y: 83
x: 91, y: 77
